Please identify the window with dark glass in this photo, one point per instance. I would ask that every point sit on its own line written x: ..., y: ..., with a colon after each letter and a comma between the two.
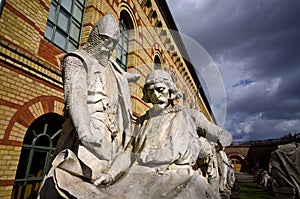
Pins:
x: 38, y: 146
x: 1, y: 6
x: 64, y: 23
x: 157, y: 62
x: 123, y: 44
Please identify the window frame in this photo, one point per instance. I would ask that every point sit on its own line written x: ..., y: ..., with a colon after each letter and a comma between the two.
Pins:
x: 38, y: 146
x: 123, y: 43
x: 54, y: 28
x: 157, y: 62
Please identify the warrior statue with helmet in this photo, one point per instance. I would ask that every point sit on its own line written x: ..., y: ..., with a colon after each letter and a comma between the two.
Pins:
x: 97, y: 112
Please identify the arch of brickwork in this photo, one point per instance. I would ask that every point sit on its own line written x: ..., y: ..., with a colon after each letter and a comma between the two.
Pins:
x: 11, y: 142
x: 27, y: 114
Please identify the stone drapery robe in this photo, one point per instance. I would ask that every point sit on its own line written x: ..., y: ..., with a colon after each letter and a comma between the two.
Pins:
x: 97, y: 102
x: 165, y: 147
x: 158, y: 161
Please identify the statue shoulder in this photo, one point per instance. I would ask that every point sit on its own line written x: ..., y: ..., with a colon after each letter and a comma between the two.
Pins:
x: 78, y: 58
x: 116, y: 66
x: 190, y: 111
x: 195, y: 114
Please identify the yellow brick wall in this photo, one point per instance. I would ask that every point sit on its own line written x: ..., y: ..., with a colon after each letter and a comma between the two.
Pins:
x: 5, y: 115
x: 11, y: 24
x: 17, y: 89
x: 9, y: 159
x: 20, y: 88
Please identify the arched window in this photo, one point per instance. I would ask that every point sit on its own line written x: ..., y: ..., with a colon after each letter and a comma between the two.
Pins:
x: 39, y: 143
x: 123, y: 44
x: 157, y: 62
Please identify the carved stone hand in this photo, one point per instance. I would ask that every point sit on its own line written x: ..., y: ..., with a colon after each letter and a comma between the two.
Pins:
x: 103, y: 179
x: 91, y: 140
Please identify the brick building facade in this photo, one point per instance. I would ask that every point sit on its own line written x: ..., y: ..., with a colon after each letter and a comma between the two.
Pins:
x: 35, y: 35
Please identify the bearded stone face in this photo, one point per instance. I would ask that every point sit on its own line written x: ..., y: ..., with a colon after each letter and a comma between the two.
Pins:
x: 159, y: 94
x: 160, y: 79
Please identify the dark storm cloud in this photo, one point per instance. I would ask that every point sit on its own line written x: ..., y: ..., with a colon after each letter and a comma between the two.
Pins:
x: 290, y: 87
x: 256, y: 46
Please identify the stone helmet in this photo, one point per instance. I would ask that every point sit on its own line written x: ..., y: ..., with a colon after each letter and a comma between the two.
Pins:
x: 160, y: 76
x: 106, y: 26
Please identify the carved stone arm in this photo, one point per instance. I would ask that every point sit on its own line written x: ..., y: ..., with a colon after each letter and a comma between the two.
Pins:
x: 209, y: 130
x: 75, y: 86
x: 132, y: 77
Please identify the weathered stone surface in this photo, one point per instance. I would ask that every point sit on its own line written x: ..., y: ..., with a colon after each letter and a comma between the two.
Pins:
x: 98, y: 157
x: 165, y: 147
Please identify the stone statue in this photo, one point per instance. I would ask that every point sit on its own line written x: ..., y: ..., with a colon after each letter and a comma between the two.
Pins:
x: 226, y: 172
x: 208, y: 163
x: 159, y: 159
x: 230, y: 176
x: 97, y: 97
x: 97, y: 110
x: 285, y: 163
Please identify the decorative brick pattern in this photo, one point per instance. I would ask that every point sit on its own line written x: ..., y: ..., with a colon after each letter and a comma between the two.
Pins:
x: 58, y: 107
x: 17, y: 132
x: 36, y: 109
x: 49, y: 52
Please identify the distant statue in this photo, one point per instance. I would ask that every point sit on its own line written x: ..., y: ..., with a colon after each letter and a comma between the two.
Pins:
x: 265, y: 179
x: 97, y: 111
x: 285, y: 170
x: 226, y: 172
x: 216, y: 167
x: 208, y: 163
x: 158, y: 162
x: 230, y: 176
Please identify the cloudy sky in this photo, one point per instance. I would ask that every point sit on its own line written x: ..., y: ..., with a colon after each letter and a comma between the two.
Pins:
x: 255, y: 46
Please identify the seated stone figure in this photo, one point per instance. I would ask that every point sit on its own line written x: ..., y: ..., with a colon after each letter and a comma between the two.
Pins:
x: 158, y: 161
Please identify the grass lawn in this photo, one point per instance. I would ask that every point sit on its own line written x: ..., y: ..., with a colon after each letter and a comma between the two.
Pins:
x: 251, y: 191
